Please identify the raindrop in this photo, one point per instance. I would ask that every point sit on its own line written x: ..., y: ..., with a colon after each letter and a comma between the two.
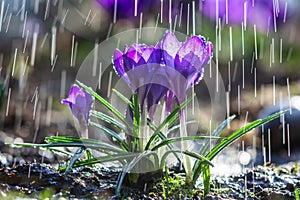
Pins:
x: 141, y: 25
x: 44, y: 40
x: 115, y: 11
x: 245, y: 15
x: 72, y: 51
x: 1, y: 14
x: 274, y: 91
x: 53, y: 45
x: 255, y: 82
x: 161, y: 10
x: 243, y: 73
x: 239, y: 99
x: 180, y: 14
x: 8, y: 102
x: 289, y: 94
x: 25, y: 42
x: 95, y: 57
x: 24, y: 24
x: 228, y: 107
x: 194, y: 18
x: 288, y: 140
x: 255, y: 41
x: 63, y: 83
x: 109, y: 84
x: 135, y: 7
x: 188, y: 20
x: 14, y: 62
x: 285, y: 11
x: 46, y: 10
x: 230, y: 40
x: 269, y: 144
x: 100, y: 75
x: 49, y: 110
x: 34, y: 43
x: 87, y: 17
x: 243, y: 40
x: 280, y: 51
x: 36, y: 6
x: 8, y: 23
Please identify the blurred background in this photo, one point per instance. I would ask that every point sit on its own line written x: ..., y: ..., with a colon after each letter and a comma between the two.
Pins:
x: 256, y: 49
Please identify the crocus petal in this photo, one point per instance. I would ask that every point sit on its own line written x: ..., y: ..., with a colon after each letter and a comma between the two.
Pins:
x: 170, y: 46
x: 80, y: 103
x: 208, y: 54
x: 133, y: 58
x: 118, y: 62
x: 190, y: 57
x: 156, y: 92
x: 193, y: 50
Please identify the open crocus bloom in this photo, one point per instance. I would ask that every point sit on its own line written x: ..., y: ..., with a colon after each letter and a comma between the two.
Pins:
x: 80, y: 103
x: 188, y: 58
x: 138, y: 66
x: 166, y: 70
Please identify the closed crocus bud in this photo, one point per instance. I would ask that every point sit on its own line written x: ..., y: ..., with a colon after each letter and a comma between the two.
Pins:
x: 80, y: 103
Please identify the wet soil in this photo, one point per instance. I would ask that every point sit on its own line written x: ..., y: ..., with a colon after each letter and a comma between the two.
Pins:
x: 30, y: 180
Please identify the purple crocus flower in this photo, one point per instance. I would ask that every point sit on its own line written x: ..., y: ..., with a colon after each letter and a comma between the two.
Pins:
x: 166, y: 70
x: 80, y: 103
x: 138, y: 65
x: 259, y: 12
x: 188, y: 58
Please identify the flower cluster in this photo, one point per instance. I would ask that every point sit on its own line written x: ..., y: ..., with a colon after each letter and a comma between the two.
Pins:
x: 167, y: 69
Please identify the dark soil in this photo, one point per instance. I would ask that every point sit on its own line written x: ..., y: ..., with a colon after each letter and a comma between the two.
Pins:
x: 30, y: 180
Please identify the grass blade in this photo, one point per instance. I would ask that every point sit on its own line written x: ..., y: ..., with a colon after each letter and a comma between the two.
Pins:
x: 122, y: 97
x: 186, y: 152
x: 108, y: 119
x: 108, y: 158
x: 99, y: 146
x: 113, y: 134
x: 239, y: 133
x: 74, y: 158
x: 178, y: 139
x: 216, y: 132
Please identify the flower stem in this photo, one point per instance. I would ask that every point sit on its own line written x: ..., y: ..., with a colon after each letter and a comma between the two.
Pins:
x: 186, y: 159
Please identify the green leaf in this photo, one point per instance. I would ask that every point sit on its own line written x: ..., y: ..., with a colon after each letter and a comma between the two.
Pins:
x: 239, y: 133
x: 206, y: 178
x: 178, y: 139
x: 104, y: 102
x: 176, y: 127
x: 296, y: 191
x: 217, y: 132
x: 122, y: 97
x: 186, y: 152
x: 108, y: 119
x: 75, y: 157
x: 169, y: 120
x: 197, y: 168
x: 113, y: 134
x: 136, y: 114
x: 102, y: 159
x: 63, y: 141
